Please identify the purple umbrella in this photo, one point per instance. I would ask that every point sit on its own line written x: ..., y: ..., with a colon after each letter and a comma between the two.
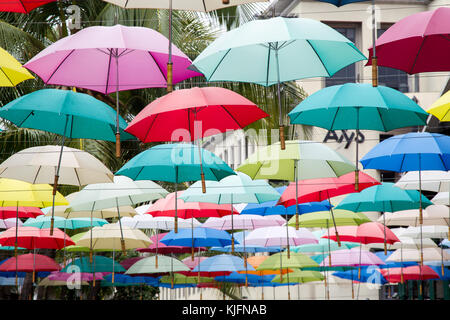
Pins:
x: 111, y: 59
x: 80, y: 276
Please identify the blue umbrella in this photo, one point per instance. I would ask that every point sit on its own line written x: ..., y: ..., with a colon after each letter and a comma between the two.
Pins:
x: 369, y: 274
x: 410, y: 152
x: 438, y: 270
x: 222, y: 263
x: 239, y: 236
x: 130, y: 280
x: 339, y: 3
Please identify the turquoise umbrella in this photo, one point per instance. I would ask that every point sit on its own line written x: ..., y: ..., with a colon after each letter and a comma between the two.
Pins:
x: 358, y: 106
x: 42, y: 222
x: 176, y: 163
x: 67, y: 113
x: 276, y: 50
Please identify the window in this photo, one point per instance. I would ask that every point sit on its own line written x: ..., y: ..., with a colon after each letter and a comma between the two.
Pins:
x: 393, y: 78
x: 347, y: 74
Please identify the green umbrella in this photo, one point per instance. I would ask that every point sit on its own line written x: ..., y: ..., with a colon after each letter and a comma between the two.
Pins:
x: 233, y: 189
x: 165, y: 264
x: 176, y: 163
x: 323, y: 246
x: 76, y: 248
x: 358, y: 106
x: 177, y: 278
x: 300, y: 276
x: 42, y: 222
x: 323, y: 219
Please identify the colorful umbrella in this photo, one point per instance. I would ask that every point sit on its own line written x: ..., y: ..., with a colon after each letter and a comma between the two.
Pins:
x: 220, y: 265
x: 110, y: 59
x: 22, y: 6
x: 417, y: 43
x: 12, y: 71
x: 243, y: 247
x: 158, y: 247
x: 396, y: 275
x: 9, y: 223
x: 175, y: 163
x: 433, y: 215
x: 148, y: 265
x: 243, y: 222
x: 21, y: 212
x: 299, y: 276
x: 146, y: 221
x: 30, y: 263
x: 276, y: 236
x: 35, y: 238
x: 80, y: 276
x: 369, y: 274
x: 324, y: 219
x: 43, y: 222
x: 265, y: 51
x: 440, y: 107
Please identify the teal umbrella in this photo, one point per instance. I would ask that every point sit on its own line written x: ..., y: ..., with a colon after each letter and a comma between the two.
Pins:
x: 176, y: 163
x: 358, y: 106
x: 276, y: 50
x: 42, y: 222
x: 67, y: 113
x: 234, y: 189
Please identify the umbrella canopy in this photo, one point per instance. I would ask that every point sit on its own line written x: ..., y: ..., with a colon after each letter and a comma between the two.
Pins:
x: 158, y: 247
x: 76, y: 248
x: 368, y: 232
x: 175, y: 163
x: 312, y: 159
x: 20, y: 193
x: 178, y: 278
x: 324, y: 219
x: 80, y: 276
x: 12, y: 71
x: 22, y: 6
x: 369, y: 274
x: 410, y: 152
x: 20, y: 212
x: 339, y: 3
x: 296, y: 261
x: 221, y: 264
x: 256, y: 261
x: 416, y: 43
x: 149, y: 265
x: 437, y: 181
x: 174, y: 117
x: 197, y: 237
x: 185, y: 210
x: 439, y: 232
x: 351, y: 258
x: 440, y: 108
x: 325, y: 188
x: 280, y: 236
x: 193, y: 5
x: 109, y: 236
x: 252, y: 279
x: 193, y: 263
x: 67, y: 113
x: 441, y: 198
x: 35, y: 238
x: 9, y: 223
x: 358, y: 106
x: 122, y: 192
x: 38, y: 165
x: 147, y: 221
x: 324, y: 245
x: 109, y: 59
x: 30, y: 263
x: 246, y: 221
x: 385, y: 197
x: 299, y: 276
x: 243, y: 247
x: 407, y: 243
x: 43, y: 222
x: 263, y: 51
x: 429, y: 254
x: 396, y: 275
x: 392, y: 264
x: 433, y: 215
x: 98, y: 264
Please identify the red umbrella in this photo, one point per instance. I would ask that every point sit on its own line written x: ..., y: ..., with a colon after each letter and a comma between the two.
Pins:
x: 30, y: 263
x: 24, y: 212
x: 35, y: 238
x: 315, y: 190
x: 394, y: 275
x: 166, y: 208
x: 192, y: 114
x: 417, y: 43
x: 127, y: 263
x: 22, y: 6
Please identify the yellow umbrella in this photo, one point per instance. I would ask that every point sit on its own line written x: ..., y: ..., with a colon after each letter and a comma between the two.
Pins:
x: 12, y: 71
x: 440, y: 109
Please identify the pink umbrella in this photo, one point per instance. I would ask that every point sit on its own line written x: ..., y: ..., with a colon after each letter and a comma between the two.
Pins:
x: 417, y: 43
x: 110, y: 59
x: 193, y: 263
x: 82, y: 276
x: 351, y: 258
x: 9, y: 223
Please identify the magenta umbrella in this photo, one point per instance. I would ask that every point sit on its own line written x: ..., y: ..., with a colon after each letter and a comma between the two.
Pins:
x: 81, y: 276
x: 111, y: 59
x: 417, y: 43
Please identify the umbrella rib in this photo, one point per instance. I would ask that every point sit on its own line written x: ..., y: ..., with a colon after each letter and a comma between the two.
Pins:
x: 150, y: 127
x: 160, y: 70
x: 232, y: 117
x: 59, y: 65
x: 268, y: 67
x: 37, y: 173
x: 217, y: 66
x: 318, y: 57
x: 109, y: 69
x: 381, y: 119
x: 417, y: 55
x: 7, y: 77
x: 31, y: 113
x: 78, y: 178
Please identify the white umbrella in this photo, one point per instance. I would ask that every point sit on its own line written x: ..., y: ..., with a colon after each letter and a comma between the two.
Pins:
x: 146, y: 221
x: 436, y: 215
x: 9, y: 223
x: 441, y: 198
x: 276, y: 236
x: 433, y: 180
x: 243, y: 221
x: 429, y: 254
x: 439, y: 232
x: 123, y: 192
x: 143, y: 209
x: 405, y: 243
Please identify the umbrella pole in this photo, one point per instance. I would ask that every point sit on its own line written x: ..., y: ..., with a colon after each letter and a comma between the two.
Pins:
x: 15, y: 243
x: 169, y: 62
x: 420, y: 194
x: 296, y: 194
x: 401, y: 264
x: 384, y: 224
x: 91, y: 249
x: 64, y: 252
x: 176, y: 200
x: 281, y: 266
x: 329, y: 246
x: 156, y: 256
x: 280, y: 120
x: 112, y: 275
x: 34, y: 264
x: 202, y: 174
x: 334, y: 222
x: 289, y: 287
x: 359, y: 269
x: 353, y: 291
x: 374, y: 56
x: 232, y: 226
x: 117, y: 106
x: 192, y: 236
x: 357, y: 151
x: 122, y: 240
x: 55, y: 183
